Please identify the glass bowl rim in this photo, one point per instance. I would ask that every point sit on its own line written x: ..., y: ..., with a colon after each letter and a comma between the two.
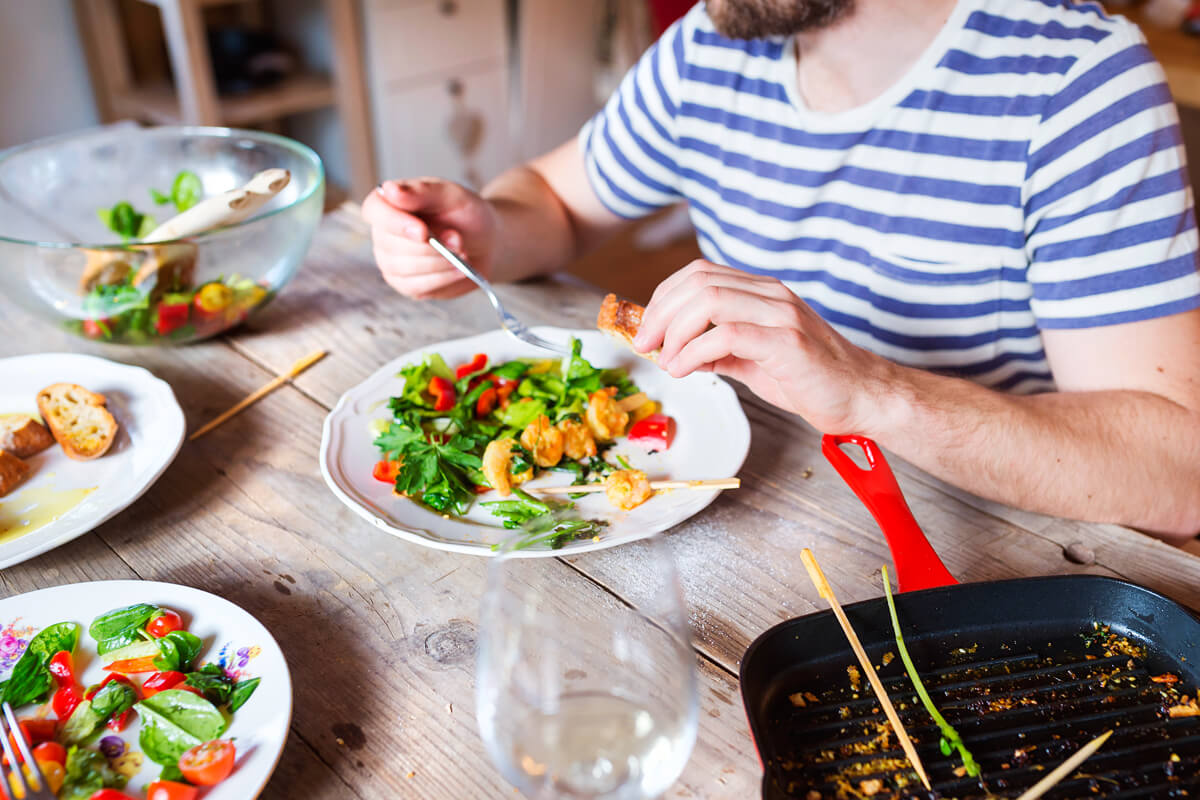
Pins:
x: 210, y: 131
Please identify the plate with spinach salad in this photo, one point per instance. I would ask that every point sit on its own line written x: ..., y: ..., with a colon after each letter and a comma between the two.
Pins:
x: 410, y: 449
x: 144, y: 688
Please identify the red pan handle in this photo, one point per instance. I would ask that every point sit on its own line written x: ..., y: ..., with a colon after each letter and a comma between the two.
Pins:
x: 917, y: 565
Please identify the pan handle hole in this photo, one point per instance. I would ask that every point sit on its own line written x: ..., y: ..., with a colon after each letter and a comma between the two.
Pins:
x: 856, y: 454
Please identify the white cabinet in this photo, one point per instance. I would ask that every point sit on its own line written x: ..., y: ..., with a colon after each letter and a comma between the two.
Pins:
x: 439, y: 81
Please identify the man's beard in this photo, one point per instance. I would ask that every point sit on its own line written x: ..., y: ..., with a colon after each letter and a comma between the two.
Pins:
x: 757, y: 19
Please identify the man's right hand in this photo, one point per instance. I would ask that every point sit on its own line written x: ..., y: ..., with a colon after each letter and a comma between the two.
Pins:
x: 403, y: 214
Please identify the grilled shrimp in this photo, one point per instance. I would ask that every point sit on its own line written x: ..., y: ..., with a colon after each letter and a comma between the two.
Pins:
x: 604, y: 416
x: 627, y: 488
x: 578, y: 441
x: 497, y: 459
x: 543, y: 441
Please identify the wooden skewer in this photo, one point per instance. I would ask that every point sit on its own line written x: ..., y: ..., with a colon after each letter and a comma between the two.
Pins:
x: 717, y: 483
x: 1066, y: 768
x: 262, y: 392
x: 826, y: 591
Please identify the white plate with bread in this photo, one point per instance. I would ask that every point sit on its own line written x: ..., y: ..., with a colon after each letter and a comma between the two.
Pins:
x: 712, y: 441
x: 81, y: 438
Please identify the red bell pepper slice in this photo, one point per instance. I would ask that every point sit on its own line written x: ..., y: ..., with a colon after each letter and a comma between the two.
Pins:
x: 130, y: 666
x: 120, y: 721
x: 110, y: 677
x: 161, y: 681
x: 171, y: 316
x: 386, y: 471
x: 97, y: 328
x: 69, y: 693
x: 443, y: 393
x: 655, y: 432
x: 486, y: 402
x: 477, y: 363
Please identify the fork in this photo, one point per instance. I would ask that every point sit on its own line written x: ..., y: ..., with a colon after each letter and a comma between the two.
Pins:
x: 511, y: 325
x: 10, y: 733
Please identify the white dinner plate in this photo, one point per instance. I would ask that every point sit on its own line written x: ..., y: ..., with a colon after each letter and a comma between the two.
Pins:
x: 151, y: 432
x: 712, y: 439
x: 232, y: 638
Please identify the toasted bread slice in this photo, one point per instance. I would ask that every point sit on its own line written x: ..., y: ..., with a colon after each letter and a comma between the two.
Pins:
x: 621, y: 319
x: 23, y: 436
x: 13, y: 471
x: 78, y: 419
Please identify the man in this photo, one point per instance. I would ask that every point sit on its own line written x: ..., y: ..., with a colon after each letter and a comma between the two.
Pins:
x: 962, y: 229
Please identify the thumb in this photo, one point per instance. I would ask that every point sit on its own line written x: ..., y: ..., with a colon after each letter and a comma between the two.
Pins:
x: 425, y: 197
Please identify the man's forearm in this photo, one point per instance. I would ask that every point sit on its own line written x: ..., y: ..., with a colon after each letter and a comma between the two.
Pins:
x: 1127, y: 457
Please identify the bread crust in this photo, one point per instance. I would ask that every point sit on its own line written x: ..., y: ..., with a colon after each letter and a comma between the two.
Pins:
x: 13, y: 472
x: 78, y: 419
x: 23, y: 436
x: 621, y: 319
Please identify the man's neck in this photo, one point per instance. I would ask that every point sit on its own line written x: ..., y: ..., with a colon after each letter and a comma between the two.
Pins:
x: 860, y: 57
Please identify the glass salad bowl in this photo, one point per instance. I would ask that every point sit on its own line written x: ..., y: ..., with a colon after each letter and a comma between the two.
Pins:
x: 73, y: 209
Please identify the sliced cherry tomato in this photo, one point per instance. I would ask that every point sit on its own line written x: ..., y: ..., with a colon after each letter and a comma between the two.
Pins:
x: 170, y: 790
x: 36, y: 731
x: 50, y: 751
x: 486, y: 402
x: 170, y: 317
x: 213, y: 298
x: 133, y: 666
x: 164, y: 623
x: 655, y: 432
x: 443, y: 393
x: 161, y: 681
x: 209, y: 763
x: 69, y: 693
x: 386, y: 471
x: 120, y: 721
x: 109, y: 794
x: 54, y: 773
x: 97, y: 328
x: 478, y: 362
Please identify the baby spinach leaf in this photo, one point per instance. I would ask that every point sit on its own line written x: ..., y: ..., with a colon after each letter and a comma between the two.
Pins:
x: 31, y: 680
x: 178, y: 649
x: 186, y: 190
x: 241, y: 693
x: 213, y: 682
x: 175, y: 721
x: 121, y: 626
x: 112, y: 699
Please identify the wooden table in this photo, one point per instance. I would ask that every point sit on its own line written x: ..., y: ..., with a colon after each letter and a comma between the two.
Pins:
x: 380, y: 634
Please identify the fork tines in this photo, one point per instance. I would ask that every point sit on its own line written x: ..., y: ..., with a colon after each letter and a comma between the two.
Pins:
x: 10, y: 732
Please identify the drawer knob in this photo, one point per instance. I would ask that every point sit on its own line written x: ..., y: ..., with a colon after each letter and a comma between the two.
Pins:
x: 454, y: 87
x: 448, y: 8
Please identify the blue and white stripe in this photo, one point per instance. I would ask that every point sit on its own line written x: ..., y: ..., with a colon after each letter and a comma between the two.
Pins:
x: 1026, y: 174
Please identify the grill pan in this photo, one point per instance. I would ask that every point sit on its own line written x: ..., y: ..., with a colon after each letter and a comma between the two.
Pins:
x: 1027, y: 670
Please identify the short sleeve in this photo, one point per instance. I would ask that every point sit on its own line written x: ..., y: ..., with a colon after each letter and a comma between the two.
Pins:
x: 630, y: 145
x: 1110, y: 227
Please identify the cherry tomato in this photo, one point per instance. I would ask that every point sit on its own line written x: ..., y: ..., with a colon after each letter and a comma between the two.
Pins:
x: 386, y: 471
x: 110, y: 794
x: 161, y: 681
x: 170, y: 317
x: 50, y: 751
x: 170, y: 790
x: 163, y: 624
x: 54, y: 773
x: 655, y: 432
x: 209, y: 763
x: 96, y: 328
x: 213, y: 298
x: 36, y: 731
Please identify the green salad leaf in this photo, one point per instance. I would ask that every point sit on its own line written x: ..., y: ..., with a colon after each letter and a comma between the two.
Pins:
x: 120, y: 627
x: 220, y: 689
x: 114, y: 698
x: 177, y: 651
x: 87, y: 772
x: 175, y: 721
x: 31, y: 681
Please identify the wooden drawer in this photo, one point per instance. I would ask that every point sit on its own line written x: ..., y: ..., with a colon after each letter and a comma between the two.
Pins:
x: 422, y: 129
x: 406, y: 40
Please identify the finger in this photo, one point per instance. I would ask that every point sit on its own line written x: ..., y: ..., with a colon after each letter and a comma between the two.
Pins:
x: 743, y: 340
x: 719, y: 303
x: 421, y: 287
x: 699, y: 265
x: 381, y: 215
x: 660, y: 314
x: 423, y: 196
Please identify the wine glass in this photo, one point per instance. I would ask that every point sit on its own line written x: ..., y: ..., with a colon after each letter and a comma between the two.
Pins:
x: 581, y: 695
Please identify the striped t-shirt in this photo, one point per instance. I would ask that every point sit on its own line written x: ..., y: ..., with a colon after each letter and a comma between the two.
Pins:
x: 1026, y: 173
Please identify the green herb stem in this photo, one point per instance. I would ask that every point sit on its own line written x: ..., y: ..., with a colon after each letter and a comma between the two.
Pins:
x: 949, y: 734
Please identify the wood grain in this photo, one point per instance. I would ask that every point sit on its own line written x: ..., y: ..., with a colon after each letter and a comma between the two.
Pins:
x: 380, y: 634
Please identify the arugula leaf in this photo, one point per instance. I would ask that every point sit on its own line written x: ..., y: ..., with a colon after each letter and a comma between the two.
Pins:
x: 158, y: 197
x: 178, y: 649
x: 542, y: 522
x: 31, y: 681
x: 175, y: 721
